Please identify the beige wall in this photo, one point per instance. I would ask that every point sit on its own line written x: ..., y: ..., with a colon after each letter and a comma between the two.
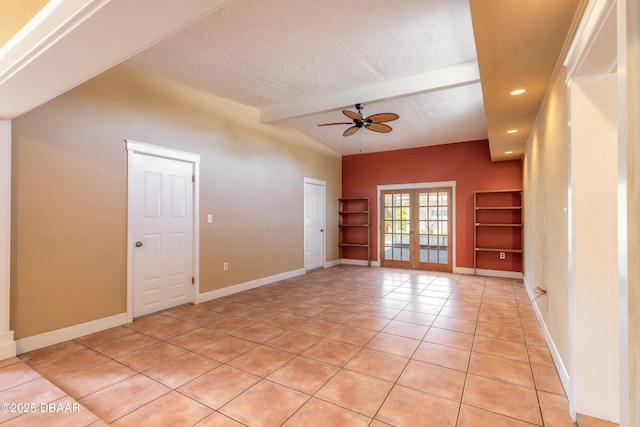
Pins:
x: 14, y: 14
x: 69, y: 194
x: 545, y: 161
x: 545, y: 177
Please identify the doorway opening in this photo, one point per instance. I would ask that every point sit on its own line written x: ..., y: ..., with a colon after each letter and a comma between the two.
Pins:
x: 596, y: 305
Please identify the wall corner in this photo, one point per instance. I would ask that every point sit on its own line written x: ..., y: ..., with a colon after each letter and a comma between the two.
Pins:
x: 7, y: 342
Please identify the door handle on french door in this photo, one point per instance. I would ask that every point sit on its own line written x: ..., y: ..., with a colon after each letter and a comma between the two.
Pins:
x: 138, y: 244
x: 322, y: 230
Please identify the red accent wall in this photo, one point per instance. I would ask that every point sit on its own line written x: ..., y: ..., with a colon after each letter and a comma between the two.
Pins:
x: 467, y: 163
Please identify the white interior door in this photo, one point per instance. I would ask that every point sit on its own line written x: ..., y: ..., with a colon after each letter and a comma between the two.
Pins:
x: 162, y: 233
x: 314, y: 209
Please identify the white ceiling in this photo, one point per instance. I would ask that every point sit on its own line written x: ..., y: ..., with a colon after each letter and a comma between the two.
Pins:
x: 297, y: 58
x: 302, y: 61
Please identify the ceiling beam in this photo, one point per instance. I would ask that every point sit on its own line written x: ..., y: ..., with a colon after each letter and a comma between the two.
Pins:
x: 71, y: 41
x: 454, y: 76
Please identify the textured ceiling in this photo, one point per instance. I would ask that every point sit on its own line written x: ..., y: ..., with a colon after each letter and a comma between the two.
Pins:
x: 301, y: 61
x: 289, y: 52
x: 440, y: 117
x: 283, y: 51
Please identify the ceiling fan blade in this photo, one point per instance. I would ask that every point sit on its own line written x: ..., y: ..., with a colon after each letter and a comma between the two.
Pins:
x: 350, y: 131
x: 383, y: 117
x: 352, y: 115
x: 379, y: 127
x: 332, y: 124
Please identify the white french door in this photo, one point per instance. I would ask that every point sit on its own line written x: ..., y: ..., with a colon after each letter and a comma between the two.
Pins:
x: 162, y: 231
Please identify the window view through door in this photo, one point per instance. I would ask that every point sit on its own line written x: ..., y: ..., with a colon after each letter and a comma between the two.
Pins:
x: 397, y: 228
x: 416, y: 229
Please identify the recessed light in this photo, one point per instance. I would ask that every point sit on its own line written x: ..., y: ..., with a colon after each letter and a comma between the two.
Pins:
x: 508, y: 152
x: 518, y: 91
x: 512, y: 131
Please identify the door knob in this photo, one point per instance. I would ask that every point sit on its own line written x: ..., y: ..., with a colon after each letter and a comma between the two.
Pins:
x: 138, y: 244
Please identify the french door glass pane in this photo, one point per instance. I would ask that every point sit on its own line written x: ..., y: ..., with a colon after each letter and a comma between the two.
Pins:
x: 397, y: 213
x: 434, y: 227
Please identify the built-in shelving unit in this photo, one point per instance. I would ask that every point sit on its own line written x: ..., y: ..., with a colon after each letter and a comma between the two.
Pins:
x: 497, y: 228
x: 355, y: 226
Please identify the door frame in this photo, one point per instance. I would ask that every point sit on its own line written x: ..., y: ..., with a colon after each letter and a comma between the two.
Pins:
x: 418, y: 186
x: 597, y: 294
x: 323, y: 184
x: 136, y: 147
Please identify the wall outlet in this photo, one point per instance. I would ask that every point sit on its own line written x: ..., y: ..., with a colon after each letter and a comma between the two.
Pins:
x: 225, y: 266
x: 503, y: 255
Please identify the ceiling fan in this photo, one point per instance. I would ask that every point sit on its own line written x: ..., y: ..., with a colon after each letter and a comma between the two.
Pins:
x: 375, y: 122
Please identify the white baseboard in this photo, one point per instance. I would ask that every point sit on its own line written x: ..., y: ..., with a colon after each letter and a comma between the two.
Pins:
x: 333, y: 263
x: 359, y: 262
x: 9, y: 348
x: 76, y: 331
x: 555, y: 354
x: 7, y: 345
x: 72, y: 332
x: 462, y: 270
x: 498, y: 273
x: 457, y: 270
x: 229, y: 290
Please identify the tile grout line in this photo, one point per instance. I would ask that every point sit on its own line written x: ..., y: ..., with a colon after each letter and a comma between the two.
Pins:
x: 535, y: 385
x: 342, y: 324
x: 466, y: 376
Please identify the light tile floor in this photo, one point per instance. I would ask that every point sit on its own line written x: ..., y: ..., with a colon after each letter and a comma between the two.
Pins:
x: 345, y: 346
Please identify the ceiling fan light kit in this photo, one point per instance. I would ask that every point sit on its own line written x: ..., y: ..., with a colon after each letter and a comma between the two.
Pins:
x: 375, y: 122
